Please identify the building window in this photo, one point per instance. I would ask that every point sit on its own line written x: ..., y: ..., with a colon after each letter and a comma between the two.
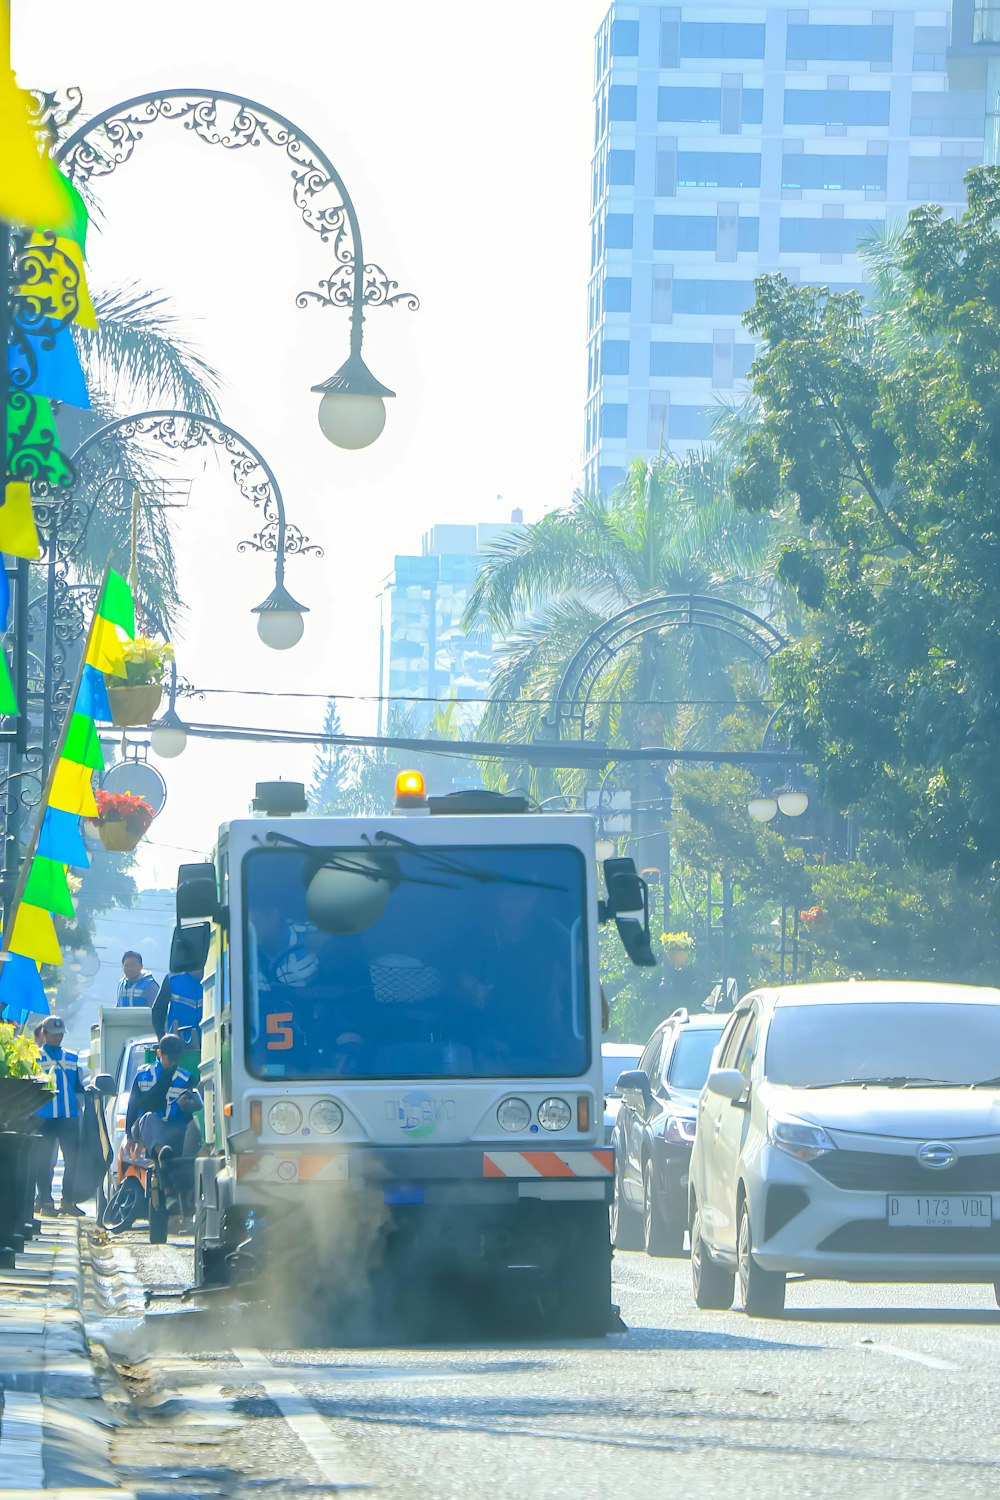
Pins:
x: 813, y: 170
x: 723, y: 362
x: 930, y: 45
x: 662, y: 306
x: 683, y: 232
x: 698, y: 106
x: 727, y: 231
x: 617, y: 294
x: 743, y: 358
x: 718, y: 169
x: 608, y: 479
x: 937, y: 179
x: 822, y: 236
x: 950, y: 115
x: 615, y: 357
x: 811, y: 43
x: 666, y: 169
x: 670, y: 39
x: 689, y: 423
x: 622, y: 101
x: 614, y: 420
x: 625, y: 39
x: 839, y: 106
x: 731, y: 105
x: 618, y: 232
x: 658, y: 420
x: 729, y: 298
x: 747, y: 233
x: 721, y: 39
x: 693, y: 360
x: 621, y: 168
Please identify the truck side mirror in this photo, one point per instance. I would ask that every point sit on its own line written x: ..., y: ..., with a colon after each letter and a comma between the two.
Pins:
x: 628, y: 903
x: 189, y: 948
x: 197, y: 893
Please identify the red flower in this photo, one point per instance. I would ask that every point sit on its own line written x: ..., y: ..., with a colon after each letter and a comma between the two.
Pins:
x: 812, y: 916
x: 124, y: 807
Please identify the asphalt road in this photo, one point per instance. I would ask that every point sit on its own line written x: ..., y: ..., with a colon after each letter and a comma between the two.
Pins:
x: 888, y: 1391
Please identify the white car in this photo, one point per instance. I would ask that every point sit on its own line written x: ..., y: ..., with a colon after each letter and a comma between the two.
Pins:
x: 616, y: 1058
x: 848, y: 1131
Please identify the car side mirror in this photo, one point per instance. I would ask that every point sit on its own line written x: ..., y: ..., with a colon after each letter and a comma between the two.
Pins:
x: 189, y: 948
x: 728, y: 1082
x: 635, y: 1081
x: 105, y: 1085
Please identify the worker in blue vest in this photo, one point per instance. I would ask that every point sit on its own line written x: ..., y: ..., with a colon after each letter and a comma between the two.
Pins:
x: 177, y: 1008
x: 137, y: 985
x: 161, y: 1104
x: 58, y: 1119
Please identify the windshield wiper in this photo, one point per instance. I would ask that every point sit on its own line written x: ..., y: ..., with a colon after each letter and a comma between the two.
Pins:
x: 891, y: 1081
x: 448, y: 866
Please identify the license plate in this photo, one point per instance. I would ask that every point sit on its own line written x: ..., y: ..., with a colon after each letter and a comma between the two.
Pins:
x: 942, y: 1211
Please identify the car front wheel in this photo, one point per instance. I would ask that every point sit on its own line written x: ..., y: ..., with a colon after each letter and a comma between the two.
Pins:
x: 761, y: 1292
x: 712, y: 1284
x: 626, y: 1226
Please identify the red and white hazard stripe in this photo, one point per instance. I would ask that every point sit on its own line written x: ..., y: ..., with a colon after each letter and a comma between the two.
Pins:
x: 530, y: 1164
x: 314, y: 1167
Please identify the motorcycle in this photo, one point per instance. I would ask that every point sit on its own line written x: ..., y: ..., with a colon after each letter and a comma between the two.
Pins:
x: 140, y: 1194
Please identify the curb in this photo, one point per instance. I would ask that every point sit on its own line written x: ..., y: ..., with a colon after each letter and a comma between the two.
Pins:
x: 55, y: 1430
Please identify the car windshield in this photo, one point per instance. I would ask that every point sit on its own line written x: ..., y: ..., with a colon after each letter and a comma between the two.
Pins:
x: 691, y: 1058
x: 445, y: 964
x: 137, y: 1054
x: 809, y: 1046
x: 613, y: 1066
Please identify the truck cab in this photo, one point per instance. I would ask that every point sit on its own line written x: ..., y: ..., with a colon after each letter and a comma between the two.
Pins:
x: 401, y: 1046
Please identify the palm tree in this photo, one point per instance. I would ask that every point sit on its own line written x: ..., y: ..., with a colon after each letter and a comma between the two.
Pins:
x: 669, y: 529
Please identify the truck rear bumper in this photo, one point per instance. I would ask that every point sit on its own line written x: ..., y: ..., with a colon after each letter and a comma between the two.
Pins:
x: 429, y: 1174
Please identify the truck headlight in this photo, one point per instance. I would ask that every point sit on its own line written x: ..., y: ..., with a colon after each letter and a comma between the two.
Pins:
x: 284, y: 1118
x: 513, y: 1114
x: 798, y: 1138
x: 554, y: 1114
x: 326, y: 1116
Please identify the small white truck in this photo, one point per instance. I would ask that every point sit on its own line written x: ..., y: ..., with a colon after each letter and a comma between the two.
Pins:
x: 401, y: 1050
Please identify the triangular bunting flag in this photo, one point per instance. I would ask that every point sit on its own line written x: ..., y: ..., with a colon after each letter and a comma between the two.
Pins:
x: 64, y: 296
x: 46, y: 887
x: 49, y: 366
x: 4, y: 594
x: 82, y: 744
x: 116, y: 603
x: 33, y: 450
x: 21, y: 989
x: 72, y: 789
x: 34, y: 935
x: 32, y: 189
x: 92, y: 698
x: 18, y: 532
x: 61, y: 839
x: 105, y: 649
x: 8, y: 698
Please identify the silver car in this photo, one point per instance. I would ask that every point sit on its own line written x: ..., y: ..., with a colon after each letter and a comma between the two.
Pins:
x: 848, y: 1131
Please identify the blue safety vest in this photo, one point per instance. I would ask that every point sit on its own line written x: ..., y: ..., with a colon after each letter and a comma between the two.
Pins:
x: 141, y: 991
x: 150, y: 1074
x: 184, y: 1007
x: 68, y: 1077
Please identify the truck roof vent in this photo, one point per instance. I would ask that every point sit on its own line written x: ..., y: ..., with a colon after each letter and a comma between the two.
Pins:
x: 280, y: 799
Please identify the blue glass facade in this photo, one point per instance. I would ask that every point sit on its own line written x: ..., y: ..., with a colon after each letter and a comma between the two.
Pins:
x: 740, y: 138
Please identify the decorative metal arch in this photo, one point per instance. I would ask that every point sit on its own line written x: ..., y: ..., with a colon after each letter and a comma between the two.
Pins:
x: 104, y: 143
x: 703, y: 612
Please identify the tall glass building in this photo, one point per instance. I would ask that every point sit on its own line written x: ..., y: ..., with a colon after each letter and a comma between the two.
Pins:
x: 740, y: 138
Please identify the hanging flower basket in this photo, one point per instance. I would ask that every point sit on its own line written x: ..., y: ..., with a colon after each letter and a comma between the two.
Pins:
x: 679, y: 948
x: 122, y: 821
x: 133, y: 703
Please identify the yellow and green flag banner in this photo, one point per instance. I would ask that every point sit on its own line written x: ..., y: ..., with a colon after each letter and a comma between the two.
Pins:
x: 57, y: 841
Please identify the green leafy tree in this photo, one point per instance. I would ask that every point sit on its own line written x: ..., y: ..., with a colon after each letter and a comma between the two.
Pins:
x: 331, y: 768
x: 880, y: 430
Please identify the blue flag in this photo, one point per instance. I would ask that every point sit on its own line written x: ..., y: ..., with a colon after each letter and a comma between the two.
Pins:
x: 53, y: 368
x: 92, y: 699
x: 21, y: 989
x: 61, y: 839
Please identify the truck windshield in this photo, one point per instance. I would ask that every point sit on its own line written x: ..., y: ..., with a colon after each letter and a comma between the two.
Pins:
x: 473, y: 965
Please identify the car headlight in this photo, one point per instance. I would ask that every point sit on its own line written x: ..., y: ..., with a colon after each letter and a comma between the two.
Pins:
x: 679, y: 1129
x: 284, y: 1118
x: 326, y: 1116
x: 803, y: 1141
x: 554, y: 1114
x: 513, y: 1114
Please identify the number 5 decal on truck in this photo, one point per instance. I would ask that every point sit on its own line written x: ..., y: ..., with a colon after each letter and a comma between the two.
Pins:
x: 279, y: 1033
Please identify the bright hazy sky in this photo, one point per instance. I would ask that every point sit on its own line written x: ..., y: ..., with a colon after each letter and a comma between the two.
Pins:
x: 464, y: 133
